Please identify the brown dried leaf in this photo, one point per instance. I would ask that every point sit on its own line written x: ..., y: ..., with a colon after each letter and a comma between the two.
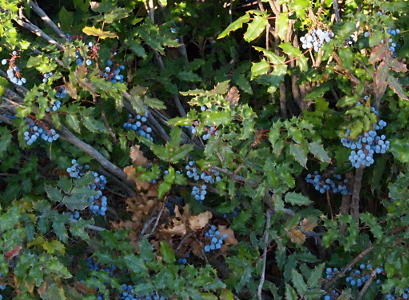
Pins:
x: 233, y: 96
x: 199, y: 221
x: 140, y: 184
x: 230, y: 239
x: 308, y: 224
x: 179, y: 229
x: 138, y: 159
x: 296, y: 236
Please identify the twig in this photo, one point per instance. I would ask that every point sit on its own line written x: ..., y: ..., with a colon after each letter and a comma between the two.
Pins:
x: 46, y: 19
x: 105, y: 163
x: 91, y: 227
x: 367, y: 285
x: 130, y: 192
x: 37, y: 31
x: 263, y: 271
x: 327, y: 284
x: 234, y: 176
x: 336, y: 10
x: 157, y: 220
x: 183, y: 240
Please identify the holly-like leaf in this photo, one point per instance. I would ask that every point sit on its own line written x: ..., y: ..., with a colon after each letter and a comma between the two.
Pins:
x: 259, y: 68
x: 319, y: 152
x: 282, y: 25
x: 296, y: 236
x: 297, y: 199
x: 397, y: 87
x: 98, y: 32
x: 255, y: 28
x: 299, y: 153
x: 234, y: 26
x: 298, y: 282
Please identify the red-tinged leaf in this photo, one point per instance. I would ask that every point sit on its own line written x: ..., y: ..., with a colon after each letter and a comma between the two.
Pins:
x: 396, y: 65
x: 397, y: 87
x: 379, y: 53
x: 380, y: 77
x: 14, y: 252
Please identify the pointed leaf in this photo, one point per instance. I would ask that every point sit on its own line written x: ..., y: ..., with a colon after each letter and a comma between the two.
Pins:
x: 397, y: 87
x: 297, y: 199
x: 259, y: 68
x: 53, y: 193
x: 73, y: 122
x: 255, y: 28
x: 299, y: 154
x: 290, y: 293
x: 319, y: 151
x: 298, y: 282
x: 315, y: 276
x: 234, y: 26
x: 282, y: 25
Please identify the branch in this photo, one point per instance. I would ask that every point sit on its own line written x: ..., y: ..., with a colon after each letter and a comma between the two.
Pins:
x: 37, y: 31
x: 92, y: 227
x: 262, y: 279
x: 367, y: 285
x: 46, y: 19
x: 328, y: 283
x: 105, y: 163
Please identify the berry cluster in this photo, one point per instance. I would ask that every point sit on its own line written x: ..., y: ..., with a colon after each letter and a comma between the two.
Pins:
x: 138, y: 125
x: 316, y: 38
x: 94, y: 266
x: 112, y: 72
x: 393, y: 45
x: 129, y: 294
x: 61, y: 92
x: 199, y: 193
x: 79, y: 59
x: 46, y: 76
x: 210, y: 131
x: 56, y: 106
x: 183, y: 260
x: 216, y: 239
x: 359, y: 276
x: 364, y: 147
x: 99, y: 203
x: 328, y: 181
x: 37, y: 130
x: 13, y: 72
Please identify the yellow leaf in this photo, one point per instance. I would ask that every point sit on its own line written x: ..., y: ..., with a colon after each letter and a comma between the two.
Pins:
x: 296, y: 236
x: 98, y: 32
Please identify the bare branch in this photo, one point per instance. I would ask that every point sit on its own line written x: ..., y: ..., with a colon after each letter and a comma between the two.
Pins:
x: 46, y: 19
x: 266, y: 241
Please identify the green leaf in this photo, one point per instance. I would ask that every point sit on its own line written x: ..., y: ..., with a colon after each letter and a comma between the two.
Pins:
x: 180, y: 153
x: 137, y: 48
x: 167, y: 253
x: 297, y: 199
x: 319, y: 151
x: 5, y: 139
x: 315, y: 276
x: 79, y: 198
x: 217, y: 118
x: 298, y: 282
x: 282, y: 25
x: 290, y: 293
x: 53, y: 193
x: 299, y: 153
x: 72, y: 121
x: 348, y: 100
x: 397, y: 87
x: 347, y: 57
x: 93, y: 125
x: 234, y: 26
x: 255, y: 28
x: 259, y: 68
x: 136, y: 264
x: 60, y: 230
x: 189, y: 76
x: 163, y: 188
x: 318, y: 91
